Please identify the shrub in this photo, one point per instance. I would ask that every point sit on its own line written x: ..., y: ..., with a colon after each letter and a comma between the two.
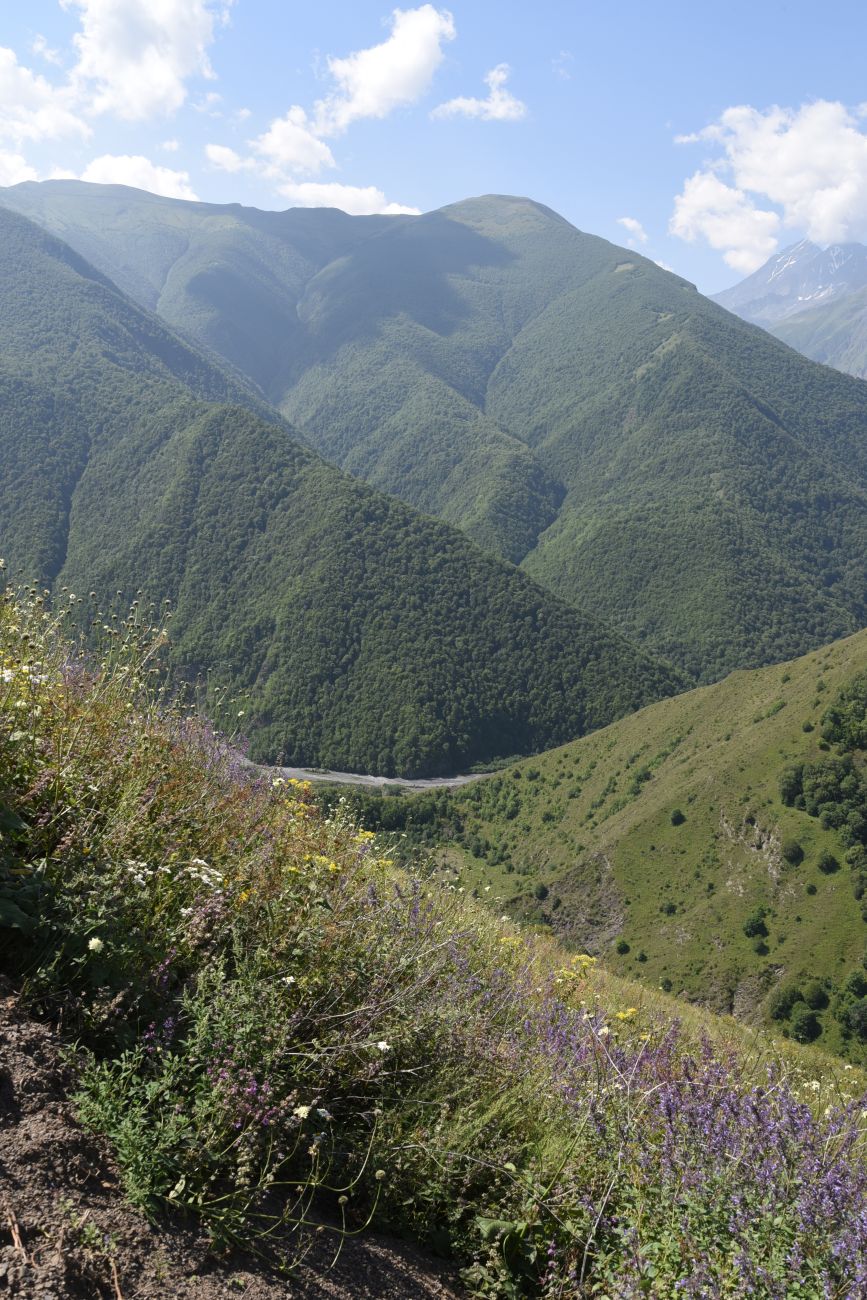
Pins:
x: 815, y: 995
x: 792, y: 852
x: 677, y: 817
x: 782, y: 1000
x: 621, y: 946
x: 855, y: 1019
x: 805, y: 1026
x: 754, y: 925
x: 827, y: 863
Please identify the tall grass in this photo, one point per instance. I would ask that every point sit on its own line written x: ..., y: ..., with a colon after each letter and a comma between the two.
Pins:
x: 280, y: 1028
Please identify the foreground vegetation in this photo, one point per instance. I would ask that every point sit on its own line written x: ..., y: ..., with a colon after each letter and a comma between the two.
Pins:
x: 278, y: 1027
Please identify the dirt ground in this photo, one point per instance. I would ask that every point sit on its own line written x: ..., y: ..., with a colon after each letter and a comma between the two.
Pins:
x: 66, y: 1232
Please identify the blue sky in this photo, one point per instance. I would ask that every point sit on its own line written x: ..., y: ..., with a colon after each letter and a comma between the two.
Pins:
x: 719, y: 131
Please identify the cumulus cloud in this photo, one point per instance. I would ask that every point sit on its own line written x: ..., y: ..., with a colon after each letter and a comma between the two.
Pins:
x: 500, y: 105
x: 31, y: 109
x: 136, y: 56
x: 14, y: 169
x: 289, y: 143
x: 635, y: 228
x: 375, y: 81
x: 809, y: 163
x: 227, y: 160
x: 727, y: 219
x: 141, y: 173
x: 355, y: 199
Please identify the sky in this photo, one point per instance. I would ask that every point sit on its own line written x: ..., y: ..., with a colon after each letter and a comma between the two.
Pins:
x: 706, y: 135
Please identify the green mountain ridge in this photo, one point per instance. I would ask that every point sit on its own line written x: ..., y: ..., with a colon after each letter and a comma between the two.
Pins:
x: 358, y: 633
x: 678, y: 845
x: 566, y: 402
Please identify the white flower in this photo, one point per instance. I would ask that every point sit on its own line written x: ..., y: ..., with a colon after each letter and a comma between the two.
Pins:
x: 383, y: 1045
x: 326, y: 1114
x: 96, y: 945
x: 302, y: 1111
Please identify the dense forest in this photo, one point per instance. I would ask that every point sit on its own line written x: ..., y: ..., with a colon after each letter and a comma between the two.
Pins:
x: 331, y: 624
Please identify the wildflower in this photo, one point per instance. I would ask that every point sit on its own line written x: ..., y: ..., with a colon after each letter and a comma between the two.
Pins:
x: 96, y: 945
x: 302, y: 1111
x: 379, y: 1175
x: 383, y: 1045
x: 325, y: 1114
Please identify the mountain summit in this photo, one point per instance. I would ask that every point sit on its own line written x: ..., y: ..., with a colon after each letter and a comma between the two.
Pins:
x: 801, y: 278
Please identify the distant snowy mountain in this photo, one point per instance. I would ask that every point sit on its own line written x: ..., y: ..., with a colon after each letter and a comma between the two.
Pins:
x: 800, y: 278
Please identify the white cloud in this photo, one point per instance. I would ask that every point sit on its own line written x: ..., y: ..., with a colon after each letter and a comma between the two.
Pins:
x: 141, y: 173
x: 43, y: 50
x: 137, y: 55
x: 14, y: 169
x: 171, y: 146
x: 635, y: 228
x: 226, y: 159
x: 31, y: 109
x: 809, y: 162
x: 290, y: 144
x: 727, y: 219
x: 500, y: 105
x: 375, y: 81
x: 355, y: 199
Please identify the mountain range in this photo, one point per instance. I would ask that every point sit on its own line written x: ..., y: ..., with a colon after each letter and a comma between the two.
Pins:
x: 352, y: 630
x: 812, y: 298
x: 568, y: 404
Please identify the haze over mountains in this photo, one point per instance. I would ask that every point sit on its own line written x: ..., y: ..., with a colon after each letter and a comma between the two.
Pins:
x: 567, y: 403
x: 359, y: 633
x: 812, y: 298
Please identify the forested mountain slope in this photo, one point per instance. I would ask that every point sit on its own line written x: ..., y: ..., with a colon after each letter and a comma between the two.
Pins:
x: 360, y: 633
x: 568, y: 403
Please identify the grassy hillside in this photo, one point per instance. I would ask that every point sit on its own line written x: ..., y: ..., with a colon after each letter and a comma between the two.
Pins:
x: 346, y: 629
x: 275, y: 1025
x: 836, y: 335
x: 682, y: 846
x: 569, y: 404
